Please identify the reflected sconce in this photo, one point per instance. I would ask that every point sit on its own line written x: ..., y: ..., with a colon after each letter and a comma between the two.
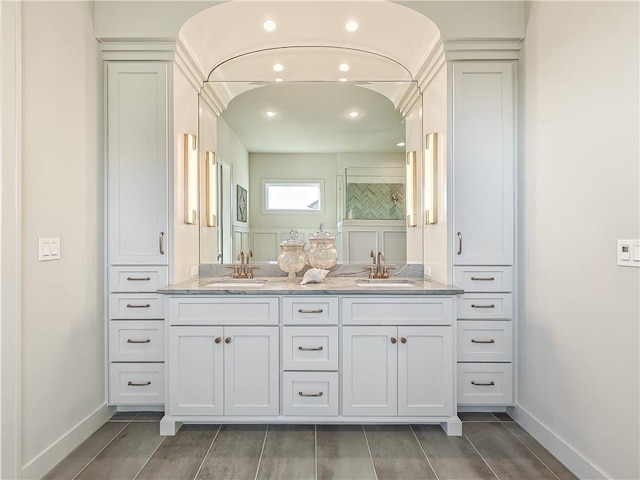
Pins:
x: 210, y: 162
x: 190, y: 179
x: 431, y: 179
x: 411, y: 189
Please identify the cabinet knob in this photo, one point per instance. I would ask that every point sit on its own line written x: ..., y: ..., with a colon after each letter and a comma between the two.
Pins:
x: 227, y: 340
x: 393, y: 340
x: 403, y: 340
x: 218, y: 340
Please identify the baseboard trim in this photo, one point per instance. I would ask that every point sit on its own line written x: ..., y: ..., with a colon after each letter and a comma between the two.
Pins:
x: 52, y: 455
x: 570, y: 458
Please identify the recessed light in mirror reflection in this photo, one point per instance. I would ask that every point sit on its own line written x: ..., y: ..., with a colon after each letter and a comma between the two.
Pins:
x: 353, y: 114
x: 400, y: 144
x: 278, y: 67
x: 343, y: 67
x: 270, y: 113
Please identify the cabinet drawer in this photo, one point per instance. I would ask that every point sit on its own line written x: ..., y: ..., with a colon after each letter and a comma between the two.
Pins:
x: 485, y: 384
x: 137, y: 279
x: 136, y: 383
x: 310, y: 393
x: 485, y: 305
x: 135, y: 306
x: 483, y: 279
x: 309, y: 311
x: 310, y: 348
x: 136, y: 341
x: 397, y: 311
x: 240, y: 310
x: 484, y: 341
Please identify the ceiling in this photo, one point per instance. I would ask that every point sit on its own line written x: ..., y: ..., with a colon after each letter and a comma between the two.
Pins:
x: 310, y: 41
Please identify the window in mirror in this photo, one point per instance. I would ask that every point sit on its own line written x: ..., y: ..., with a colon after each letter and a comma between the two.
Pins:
x: 210, y: 159
x: 292, y: 196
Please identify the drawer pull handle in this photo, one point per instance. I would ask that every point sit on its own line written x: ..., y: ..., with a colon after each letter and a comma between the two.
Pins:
x: 131, y: 384
x: 227, y: 340
x: 310, y: 311
x: 146, y: 305
x: 483, y: 279
x: 393, y: 340
x: 480, y: 384
x: 148, y: 340
x: 310, y: 349
x: 161, y: 243
x: 459, y: 252
x: 473, y: 340
x: 218, y: 340
x: 319, y: 394
x: 403, y: 340
x: 473, y: 305
x: 138, y: 279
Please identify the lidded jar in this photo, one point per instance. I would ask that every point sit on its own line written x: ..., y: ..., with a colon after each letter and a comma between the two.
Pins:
x: 322, y: 253
x: 292, y: 258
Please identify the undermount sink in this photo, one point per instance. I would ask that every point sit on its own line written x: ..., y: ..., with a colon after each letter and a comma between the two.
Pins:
x: 234, y: 283
x: 386, y: 282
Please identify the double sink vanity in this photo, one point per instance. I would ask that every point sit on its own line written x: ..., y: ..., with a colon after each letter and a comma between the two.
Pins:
x: 348, y: 350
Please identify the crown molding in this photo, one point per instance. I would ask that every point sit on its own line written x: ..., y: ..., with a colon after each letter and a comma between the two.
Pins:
x: 141, y: 49
x: 188, y: 64
x: 431, y: 64
x: 503, y: 49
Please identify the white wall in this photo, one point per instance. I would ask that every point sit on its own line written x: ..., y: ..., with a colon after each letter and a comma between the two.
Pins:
x: 579, y: 192
x: 414, y: 141
x: 63, y: 368
x: 232, y: 151
x: 434, y: 106
x: 208, y: 131
x: 185, y: 120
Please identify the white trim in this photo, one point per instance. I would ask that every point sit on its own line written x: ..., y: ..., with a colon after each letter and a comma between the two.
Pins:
x: 11, y: 175
x: 188, y: 64
x: 565, y: 453
x: 507, y: 49
x: 64, y: 445
x: 138, y: 50
x: 431, y: 65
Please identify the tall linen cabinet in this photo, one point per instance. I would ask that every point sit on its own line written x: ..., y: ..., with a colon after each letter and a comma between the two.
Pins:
x: 482, y: 236
x: 137, y: 107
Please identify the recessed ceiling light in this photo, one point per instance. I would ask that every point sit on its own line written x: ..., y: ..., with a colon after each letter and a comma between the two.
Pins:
x: 343, y: 79
x: 351, y: 26
x: 278, y: 67
x: 343, y: 67
x: 270, y: 113
x: 269, y: 25
x: 354, y: 114
x: 278, y: 79
x: 401, y: 144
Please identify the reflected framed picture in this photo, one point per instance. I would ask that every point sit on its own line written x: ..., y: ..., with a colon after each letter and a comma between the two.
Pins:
x: 431, y: 179
x: 241, y: 204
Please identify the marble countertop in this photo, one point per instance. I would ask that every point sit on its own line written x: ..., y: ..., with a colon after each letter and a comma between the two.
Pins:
x: 291, y: 286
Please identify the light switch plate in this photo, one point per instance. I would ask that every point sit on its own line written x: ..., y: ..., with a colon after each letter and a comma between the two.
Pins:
x: 628, y: 253
x: 48, y: 249
x: 194, y: 270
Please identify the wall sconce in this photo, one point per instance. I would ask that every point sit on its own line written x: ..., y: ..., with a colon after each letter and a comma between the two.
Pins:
x: 190, y: 179
x: 411, y: 189
x: 431, y: 179
x: 210, y: 159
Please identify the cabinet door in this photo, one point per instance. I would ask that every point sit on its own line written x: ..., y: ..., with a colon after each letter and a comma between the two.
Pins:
x: 369, y: 376
x: 195, y: 370
x: 425, y: 371
x: 251, y: 371
x: 483, y: 163
x: 137, y: 156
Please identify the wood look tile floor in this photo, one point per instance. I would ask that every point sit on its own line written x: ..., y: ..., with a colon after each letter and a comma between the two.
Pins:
x: 129, y: 447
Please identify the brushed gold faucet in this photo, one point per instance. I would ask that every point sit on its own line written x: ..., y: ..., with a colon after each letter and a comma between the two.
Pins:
x: 378, y: 269
x: 244, y: 270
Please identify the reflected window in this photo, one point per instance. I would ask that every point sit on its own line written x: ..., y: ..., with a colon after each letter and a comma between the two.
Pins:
x: 293, y: 196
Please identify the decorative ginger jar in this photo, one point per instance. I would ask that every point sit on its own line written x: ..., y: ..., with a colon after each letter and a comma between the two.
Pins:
x: 322, y: 252
x: 292, y: 258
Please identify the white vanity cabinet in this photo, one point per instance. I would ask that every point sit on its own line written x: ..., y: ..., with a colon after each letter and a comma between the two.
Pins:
x: 223, y: 370
x: 137, y: 154
x: 310, y: 358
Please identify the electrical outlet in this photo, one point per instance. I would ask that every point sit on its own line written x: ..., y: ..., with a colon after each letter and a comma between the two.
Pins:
x: 194, y: 270
x: 628, y: 253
